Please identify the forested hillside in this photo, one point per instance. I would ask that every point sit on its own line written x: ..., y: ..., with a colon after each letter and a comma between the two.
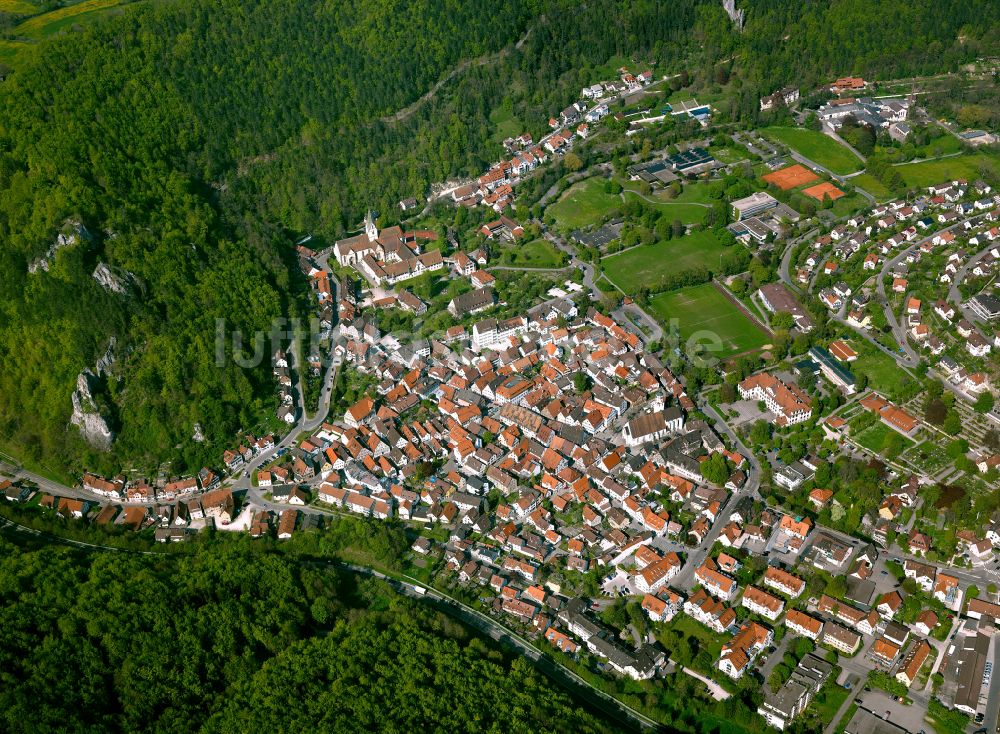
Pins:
x: 238, y: 640
x: 195, y: 139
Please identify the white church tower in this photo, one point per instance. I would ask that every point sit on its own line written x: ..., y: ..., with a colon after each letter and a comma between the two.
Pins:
x: 370, y: 229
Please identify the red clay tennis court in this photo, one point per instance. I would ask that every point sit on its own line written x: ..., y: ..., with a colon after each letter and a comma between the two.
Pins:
x: 790, y: 177
x: 824, y: 189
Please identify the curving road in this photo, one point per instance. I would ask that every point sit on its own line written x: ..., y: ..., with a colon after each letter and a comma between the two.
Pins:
x: 911, y: 359
x: 955, y: 295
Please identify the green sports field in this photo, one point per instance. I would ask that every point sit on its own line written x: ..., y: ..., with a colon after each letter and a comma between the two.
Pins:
x: 702, y: 311
x: 583, y: 204
x: 817, y: 147
x: 643, y: 265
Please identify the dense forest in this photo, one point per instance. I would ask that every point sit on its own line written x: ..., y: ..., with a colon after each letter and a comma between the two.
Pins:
x: 187, y: 143
x: 239, y: 640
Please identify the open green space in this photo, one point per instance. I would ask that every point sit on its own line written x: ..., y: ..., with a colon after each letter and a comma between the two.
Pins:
x: 817, y: 147
x: 873, y: 186
x: 884, y: 375
x: 849, y: 204
x: 874, y: 437
x: 18, y: 7
x: 702, y: 308
x: 645, y: 264
x: 928, y: 173
x: 685, y: 212
x: 48, y: 24
x: 831, y: 697
x: 728, y: 153
x: 583, y: 204
x: 506, y: 124
x: 698, y: 193
x: 535, y: 254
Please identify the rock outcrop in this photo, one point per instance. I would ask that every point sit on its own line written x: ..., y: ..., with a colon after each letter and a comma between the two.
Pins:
x: 73, y: 231
x: 109, y: 279
x: 86, y: 416
x: 735, y: 14
x: 93, y: 426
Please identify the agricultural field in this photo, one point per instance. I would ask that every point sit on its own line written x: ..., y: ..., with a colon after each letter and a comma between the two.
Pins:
x: 583, y: 204
x: 817, y: 147
x: 703, y: 308
x: 535, y: 254
x: 48, y: 24
x: 643, y: 265
x: 18, y: 7
x: 928, y: 173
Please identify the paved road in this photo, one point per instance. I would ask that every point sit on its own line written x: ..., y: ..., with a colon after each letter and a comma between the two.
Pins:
x: 832, y: 726
x: 911, y: 359
x: 784, y: 268
x: 990, y: 720
x: 497, y: 631
x: 955, y: 296
x: 696, y: 557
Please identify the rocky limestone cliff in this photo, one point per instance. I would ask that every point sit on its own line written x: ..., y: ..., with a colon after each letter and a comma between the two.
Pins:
x: 93, y: 426
x: 112, y: 280
x: 72, y: 232
x: 735, y: 14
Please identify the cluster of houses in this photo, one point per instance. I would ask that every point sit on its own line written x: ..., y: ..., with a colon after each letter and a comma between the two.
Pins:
x: 495, y: 188
x: 939, y: 219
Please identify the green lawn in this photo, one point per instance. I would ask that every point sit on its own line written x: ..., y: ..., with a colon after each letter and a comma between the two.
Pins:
x: 535, y: 254
x: 849, y: 204
x: 884, y: 375
x: 943, y: 145
x: 831, y: 697
x: 583, y: 204
x: 687, y: 213
x: 875, y: 436
x: 643, y: 265
x: 701, y: 311
x: 928, y: 173
x: 873, y: 186
x: 699, y: 193
x: 817, y: 147
x: 728, y: 154
x: 506, y: 124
